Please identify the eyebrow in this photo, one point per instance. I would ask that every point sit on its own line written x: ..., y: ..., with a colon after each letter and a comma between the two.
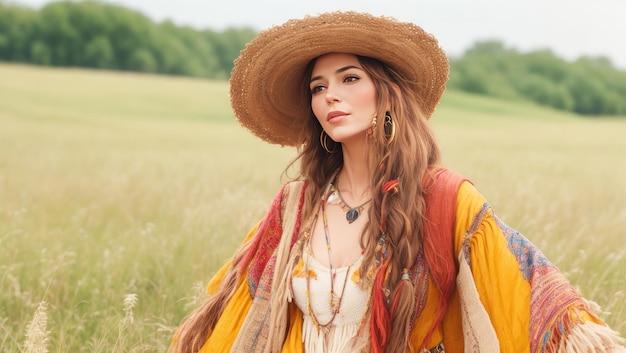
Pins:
x: 338, y: 71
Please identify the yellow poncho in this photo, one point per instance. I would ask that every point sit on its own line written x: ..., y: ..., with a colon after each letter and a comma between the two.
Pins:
x: 529, y: 305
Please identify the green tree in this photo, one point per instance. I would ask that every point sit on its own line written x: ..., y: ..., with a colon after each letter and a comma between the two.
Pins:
x: 142, y: 60
x: 229, y: 43
x: 18, y: 27
x: 544, y: 91
x: 470, y: 77
x: 130, y: 30
x: 99, y: 53
x: 546, y: 64
x: 59, y: 34
x: 172, y: 52
x: 40, y: 53
x: 97, y: 34
x: 589, y: 86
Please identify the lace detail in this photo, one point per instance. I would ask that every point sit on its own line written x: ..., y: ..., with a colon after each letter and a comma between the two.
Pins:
x: 338, y: 336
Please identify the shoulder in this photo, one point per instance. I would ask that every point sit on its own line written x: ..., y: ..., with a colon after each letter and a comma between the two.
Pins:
x: 290, y: 188
x: 452, y: 188
x: 291, y: 191
x: 439, y: 179
x: 451, y: 195
x: 468, y: 198
x: 293, y: 186
x: 474, y: 217
x: 289, y: 198
x: 446, y: 183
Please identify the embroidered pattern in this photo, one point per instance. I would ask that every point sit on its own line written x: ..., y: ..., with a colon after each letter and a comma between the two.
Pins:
x: 420, y: 281
x: 468, y: 234
x: 531, y: 260
x: 270, y: 232
x: 551, y: 296
x: 261, y: 264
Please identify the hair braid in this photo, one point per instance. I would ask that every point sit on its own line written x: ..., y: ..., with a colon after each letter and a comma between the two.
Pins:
x: 399, y: 212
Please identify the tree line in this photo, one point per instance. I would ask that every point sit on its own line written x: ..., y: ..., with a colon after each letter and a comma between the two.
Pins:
x: 102, y: 35
x: 587, y: 86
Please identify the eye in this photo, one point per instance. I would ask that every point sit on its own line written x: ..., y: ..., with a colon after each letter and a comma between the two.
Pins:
x: 317, y: 88
x: 351, y: 78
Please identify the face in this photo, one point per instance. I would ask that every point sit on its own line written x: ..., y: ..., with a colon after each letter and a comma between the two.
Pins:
x: 343, y: 97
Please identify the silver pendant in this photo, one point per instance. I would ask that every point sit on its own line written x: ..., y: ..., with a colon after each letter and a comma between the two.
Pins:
x: 352, y: 215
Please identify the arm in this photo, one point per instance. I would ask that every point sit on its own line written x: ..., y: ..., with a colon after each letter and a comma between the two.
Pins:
x: 531, y: 306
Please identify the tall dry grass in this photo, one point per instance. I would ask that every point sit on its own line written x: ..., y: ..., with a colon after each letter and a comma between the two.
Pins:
x: 120, y: 194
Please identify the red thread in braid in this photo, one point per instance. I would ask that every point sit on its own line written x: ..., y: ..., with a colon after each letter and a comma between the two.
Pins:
x: 380, y: 324
x: 391, y: 185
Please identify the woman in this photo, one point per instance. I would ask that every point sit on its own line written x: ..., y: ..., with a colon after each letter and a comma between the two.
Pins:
x: 376, y: 248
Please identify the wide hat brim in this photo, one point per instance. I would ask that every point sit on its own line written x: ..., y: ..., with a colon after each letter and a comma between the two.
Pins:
x: 266, y: 82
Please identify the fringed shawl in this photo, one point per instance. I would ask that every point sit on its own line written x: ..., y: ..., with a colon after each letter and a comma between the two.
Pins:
x: 561, y: 321
x: 265, y: 326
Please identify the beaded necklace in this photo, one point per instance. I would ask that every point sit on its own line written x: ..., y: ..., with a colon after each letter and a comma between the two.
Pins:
x: 335, y: 298
x: 352, y: 213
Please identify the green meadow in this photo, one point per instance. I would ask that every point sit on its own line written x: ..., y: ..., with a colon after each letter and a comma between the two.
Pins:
x: 121, y: 194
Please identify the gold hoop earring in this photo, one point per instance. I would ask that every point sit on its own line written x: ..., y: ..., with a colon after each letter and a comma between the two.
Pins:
x: 324, y: 142
x: 390, y: 128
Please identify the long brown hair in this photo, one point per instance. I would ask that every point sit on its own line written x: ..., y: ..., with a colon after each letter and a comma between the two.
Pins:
x: 406, y: 159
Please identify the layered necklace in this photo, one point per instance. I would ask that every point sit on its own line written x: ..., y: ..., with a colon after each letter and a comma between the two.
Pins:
x: 331, y: 196
x: 352, y: 213
x: 335, y: 298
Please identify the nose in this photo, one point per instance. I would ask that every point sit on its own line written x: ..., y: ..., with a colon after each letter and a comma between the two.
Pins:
x: 331, y: 95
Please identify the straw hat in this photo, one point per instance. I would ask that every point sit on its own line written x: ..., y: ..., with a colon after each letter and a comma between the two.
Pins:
x: 266, y: 82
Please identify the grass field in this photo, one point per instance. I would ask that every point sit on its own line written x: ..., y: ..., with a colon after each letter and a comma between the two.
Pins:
x: 120, y: 194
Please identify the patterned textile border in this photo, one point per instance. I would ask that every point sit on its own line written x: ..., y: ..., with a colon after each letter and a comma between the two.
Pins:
x: 551, y: 295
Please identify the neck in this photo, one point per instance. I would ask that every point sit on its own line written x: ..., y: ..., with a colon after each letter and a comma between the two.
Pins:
x: 354, y: 178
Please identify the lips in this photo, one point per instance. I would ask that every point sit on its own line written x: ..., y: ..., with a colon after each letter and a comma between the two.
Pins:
x: 335, y: 114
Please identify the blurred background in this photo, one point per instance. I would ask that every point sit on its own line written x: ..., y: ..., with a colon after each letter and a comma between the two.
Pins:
x: 126, y: 182
x: 561, y: 54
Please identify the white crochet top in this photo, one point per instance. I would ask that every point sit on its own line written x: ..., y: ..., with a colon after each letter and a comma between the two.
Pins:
x: 347, y: 321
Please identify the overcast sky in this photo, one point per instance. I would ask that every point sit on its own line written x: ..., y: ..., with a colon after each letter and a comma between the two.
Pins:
x: 570, y: 28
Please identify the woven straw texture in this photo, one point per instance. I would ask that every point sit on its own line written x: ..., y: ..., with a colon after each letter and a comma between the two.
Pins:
x: 266, y: 86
